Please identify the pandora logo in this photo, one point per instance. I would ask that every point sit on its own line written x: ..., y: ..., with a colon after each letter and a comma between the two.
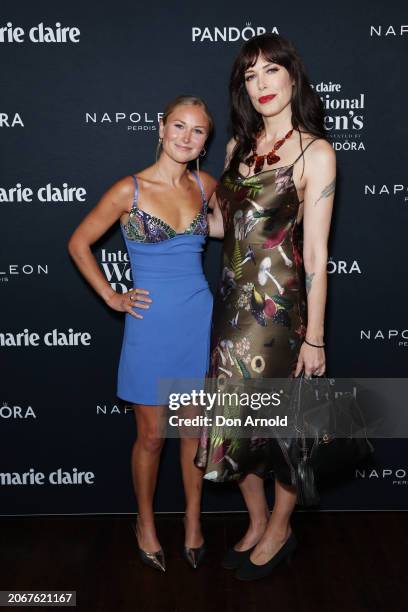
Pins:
x: 16, y: 412
x: 341, y: 266
x: 8, y: 121
x: 228, y: 33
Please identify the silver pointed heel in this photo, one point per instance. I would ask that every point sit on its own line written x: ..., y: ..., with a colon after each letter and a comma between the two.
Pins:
x: 152, y: 559
x: 194, y: 556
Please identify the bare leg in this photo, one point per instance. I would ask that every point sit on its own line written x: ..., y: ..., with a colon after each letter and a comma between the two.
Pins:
x: 192, y: 480
x: 145, y: 463
x: 253, y: 491
x: 278, y: 529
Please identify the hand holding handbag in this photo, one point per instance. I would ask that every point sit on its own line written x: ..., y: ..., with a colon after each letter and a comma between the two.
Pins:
x: 330, y: 434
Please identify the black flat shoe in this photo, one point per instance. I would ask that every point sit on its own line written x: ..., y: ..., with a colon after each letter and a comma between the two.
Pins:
x: 194, y: 556
x: 233, y: 559
x: 250, y: 571
x: 152, y: 559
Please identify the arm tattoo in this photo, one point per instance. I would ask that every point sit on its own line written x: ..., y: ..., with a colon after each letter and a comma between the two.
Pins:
x: 327, y: 191
x: 309, y: 278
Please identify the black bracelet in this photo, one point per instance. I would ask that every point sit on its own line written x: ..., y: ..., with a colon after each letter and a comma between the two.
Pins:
x: 315, y: 345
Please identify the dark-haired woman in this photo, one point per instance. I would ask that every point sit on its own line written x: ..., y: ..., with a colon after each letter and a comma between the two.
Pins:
x: 163, y: 216
x: 273, y: 207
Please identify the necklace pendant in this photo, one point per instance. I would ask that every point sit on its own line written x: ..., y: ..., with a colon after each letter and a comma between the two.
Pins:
x: 259, y: 164
x: 272, y: 158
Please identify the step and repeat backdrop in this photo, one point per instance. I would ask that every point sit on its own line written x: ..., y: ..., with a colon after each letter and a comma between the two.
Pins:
x: 83, y: 87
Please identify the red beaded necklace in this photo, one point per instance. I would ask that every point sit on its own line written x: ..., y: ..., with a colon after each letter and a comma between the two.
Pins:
x: 271, y: 157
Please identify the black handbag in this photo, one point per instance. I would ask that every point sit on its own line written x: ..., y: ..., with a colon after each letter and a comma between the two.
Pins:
x: 329, y: 435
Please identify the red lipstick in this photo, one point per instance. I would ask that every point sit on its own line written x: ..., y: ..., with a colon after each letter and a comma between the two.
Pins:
x: 264, y: 99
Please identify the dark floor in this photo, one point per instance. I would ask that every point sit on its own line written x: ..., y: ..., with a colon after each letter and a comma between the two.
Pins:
x: 350, y: 562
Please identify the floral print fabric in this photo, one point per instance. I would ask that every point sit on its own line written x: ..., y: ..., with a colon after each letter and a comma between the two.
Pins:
x: 259, y: 319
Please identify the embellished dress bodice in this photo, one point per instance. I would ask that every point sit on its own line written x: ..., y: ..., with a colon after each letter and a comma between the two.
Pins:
x: 144, y: 227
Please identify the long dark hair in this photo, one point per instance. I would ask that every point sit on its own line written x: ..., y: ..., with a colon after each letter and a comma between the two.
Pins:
x: 307, y: 107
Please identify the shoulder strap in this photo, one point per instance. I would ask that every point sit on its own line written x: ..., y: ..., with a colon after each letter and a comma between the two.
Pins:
x: 135, y: 197
x: 303, y: 151
x: 204, y: 199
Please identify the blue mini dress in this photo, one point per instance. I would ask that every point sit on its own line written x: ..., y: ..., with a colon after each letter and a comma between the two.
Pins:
x: 172, y: 341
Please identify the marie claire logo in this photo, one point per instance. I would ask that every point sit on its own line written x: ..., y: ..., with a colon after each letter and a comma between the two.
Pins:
x: 11, y: 120
x: 49, y: 338
x: 384, y: 190
x: 133, y: 121
x: 228, y: 33
x: 57, y: 477
x: 344, y: 116
x: 340, y: 266
x: 110, y: 409
x: 388, y: 30
x: 45, y: 194
x: 16, y: 412
x: 399, y: 336
x: 117, y: 269
x: 397, y: 476
x: 12, y: 271
x: 39, y: 33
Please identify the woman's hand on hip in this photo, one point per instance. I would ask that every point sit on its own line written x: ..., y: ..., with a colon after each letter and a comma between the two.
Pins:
x: 126, y: 302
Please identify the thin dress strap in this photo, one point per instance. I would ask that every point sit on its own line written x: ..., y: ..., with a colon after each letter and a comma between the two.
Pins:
x: 203, y: 197
x: 135, y: 197
x: 303, y: 151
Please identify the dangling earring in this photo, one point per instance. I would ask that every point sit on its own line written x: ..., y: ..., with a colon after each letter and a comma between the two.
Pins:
x: 202, y: 154
x: 159, y: 145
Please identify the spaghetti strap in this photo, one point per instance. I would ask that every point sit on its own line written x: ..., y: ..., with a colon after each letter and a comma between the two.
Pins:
x: 203, y: 197
x: 135, y: 197
x: 303, y: 151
